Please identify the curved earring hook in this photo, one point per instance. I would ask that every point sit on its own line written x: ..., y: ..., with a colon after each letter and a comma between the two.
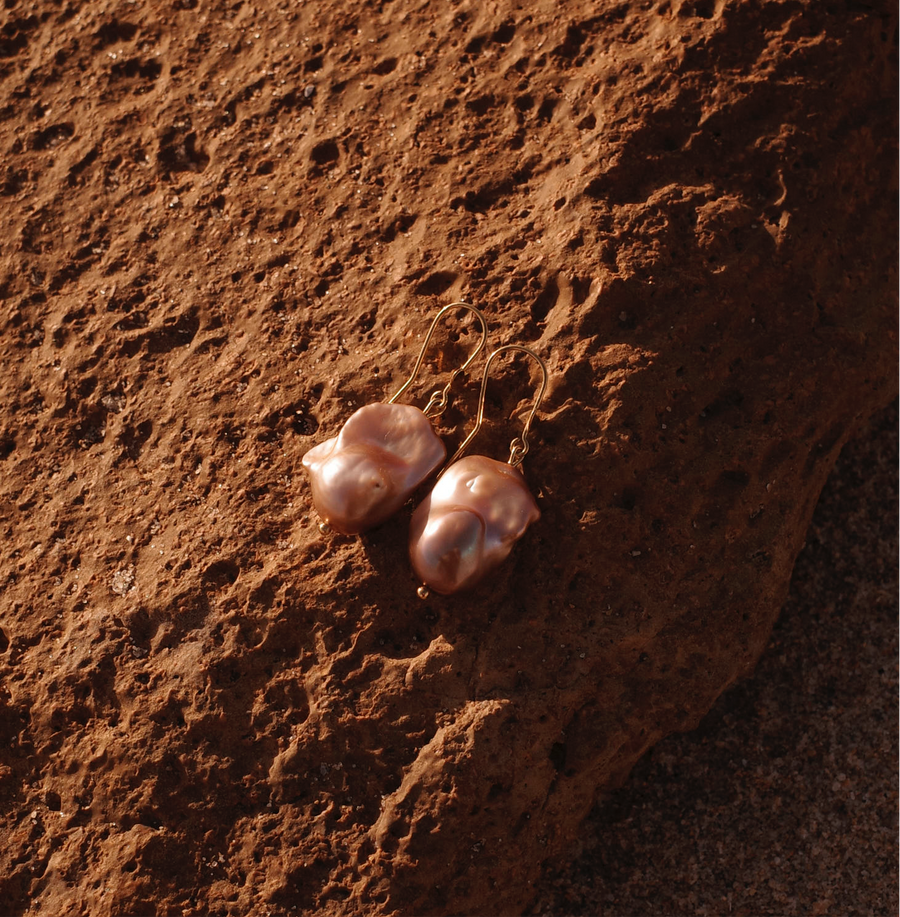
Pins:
x: 518, y: 448
x: 438, y: 401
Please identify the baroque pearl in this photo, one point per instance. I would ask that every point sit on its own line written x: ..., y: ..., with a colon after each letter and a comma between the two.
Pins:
x: 469, y: 523
x: 364, y: 474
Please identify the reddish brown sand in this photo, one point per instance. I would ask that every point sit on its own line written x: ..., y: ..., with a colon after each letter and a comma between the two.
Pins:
x: 225, y: 226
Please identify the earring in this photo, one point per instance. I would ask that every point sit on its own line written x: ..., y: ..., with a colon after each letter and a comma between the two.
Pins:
x: 477, y: 510
x: 383, y: 452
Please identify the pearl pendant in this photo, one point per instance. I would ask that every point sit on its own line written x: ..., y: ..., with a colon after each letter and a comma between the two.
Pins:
x: 469, y: 523
x: 365, y: 474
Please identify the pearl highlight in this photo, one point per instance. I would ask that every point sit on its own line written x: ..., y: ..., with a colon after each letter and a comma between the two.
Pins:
x: 365, y: 474
x: 468, y: 524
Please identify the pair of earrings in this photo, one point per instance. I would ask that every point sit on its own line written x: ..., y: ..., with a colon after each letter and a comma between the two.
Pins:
x: 478, y: 507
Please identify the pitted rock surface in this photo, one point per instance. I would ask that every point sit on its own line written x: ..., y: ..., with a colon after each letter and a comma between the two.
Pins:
x: 226, y: 228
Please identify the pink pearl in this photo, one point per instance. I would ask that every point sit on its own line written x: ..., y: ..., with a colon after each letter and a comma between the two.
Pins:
x: 365, y: 474
x: 469, y: 523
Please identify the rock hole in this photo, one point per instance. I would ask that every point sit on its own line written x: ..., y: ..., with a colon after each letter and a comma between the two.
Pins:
x: 437, y: 283
x: 505, y: 33
x: 221, y: 573
x: 628, y: 499
x: 572, y: 43
x: 135, y: 67
x: 558, y: 756
x: 181, y: 154
x: 545, y: 112
x: 475, y: 45
x: 324, y: 152
x: 482, y: 105
x: 545, y: 300
x: 52, y: 136
x: 114, y: 31
x: 386, y: 66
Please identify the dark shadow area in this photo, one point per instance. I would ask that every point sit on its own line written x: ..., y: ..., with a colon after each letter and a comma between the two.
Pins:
x: 784, y: 801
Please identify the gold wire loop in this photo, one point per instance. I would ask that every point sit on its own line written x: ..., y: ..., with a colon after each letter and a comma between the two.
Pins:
x: 438, y: 401
x: 518, y: 448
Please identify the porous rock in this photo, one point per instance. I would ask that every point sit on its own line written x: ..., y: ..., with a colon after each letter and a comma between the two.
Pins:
x: 687, y: 209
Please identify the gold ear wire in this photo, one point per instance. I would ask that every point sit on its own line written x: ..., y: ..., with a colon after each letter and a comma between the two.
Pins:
x: 438, y: 401
x: 518, y: 448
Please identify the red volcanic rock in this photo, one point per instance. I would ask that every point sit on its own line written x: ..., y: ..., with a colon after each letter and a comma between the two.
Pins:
x: 226, y: 228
